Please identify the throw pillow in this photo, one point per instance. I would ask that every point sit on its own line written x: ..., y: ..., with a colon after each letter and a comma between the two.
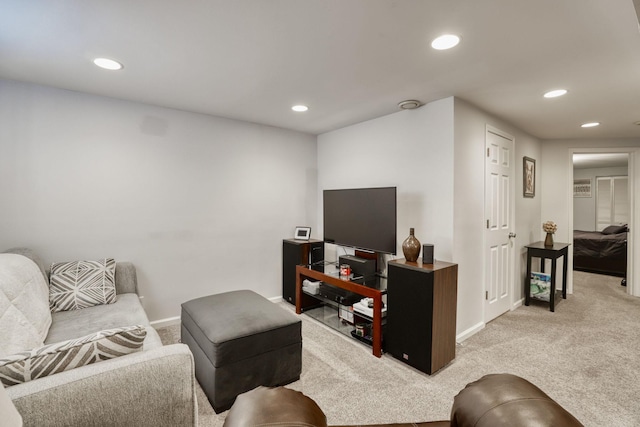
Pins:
x: 24, y: 304
x: 81, y: 284
x: 615, y: 229
x: 65, y: 355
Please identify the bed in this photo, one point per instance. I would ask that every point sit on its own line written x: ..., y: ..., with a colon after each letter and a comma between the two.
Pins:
x: 601, y: 252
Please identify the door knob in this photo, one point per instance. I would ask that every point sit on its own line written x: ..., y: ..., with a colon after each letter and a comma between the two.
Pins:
x: 512, y: 235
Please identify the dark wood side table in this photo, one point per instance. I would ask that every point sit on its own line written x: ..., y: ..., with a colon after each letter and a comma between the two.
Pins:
x: 539, y: 250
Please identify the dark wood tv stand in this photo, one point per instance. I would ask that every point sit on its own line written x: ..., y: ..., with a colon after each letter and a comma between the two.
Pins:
x: 302, y: 272
x: 420, y: 322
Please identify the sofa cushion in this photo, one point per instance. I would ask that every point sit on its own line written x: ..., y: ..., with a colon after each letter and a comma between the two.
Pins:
x: 80, y: 284
x: 127, y: 310
x: 24, y: 305
x: 65, y: 355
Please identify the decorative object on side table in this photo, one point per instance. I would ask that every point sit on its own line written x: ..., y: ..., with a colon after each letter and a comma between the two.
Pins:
x: 302, y: 233
x: 427, y: 253
x: 411, y: 247
x: 549, y: 227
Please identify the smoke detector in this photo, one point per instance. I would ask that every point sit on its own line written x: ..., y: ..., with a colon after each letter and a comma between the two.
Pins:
x: 409, y: 104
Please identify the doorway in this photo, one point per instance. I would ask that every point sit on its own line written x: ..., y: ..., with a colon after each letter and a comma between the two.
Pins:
x: 601, y: 208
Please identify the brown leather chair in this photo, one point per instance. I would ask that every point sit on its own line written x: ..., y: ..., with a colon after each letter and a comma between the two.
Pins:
x: 495, y: 400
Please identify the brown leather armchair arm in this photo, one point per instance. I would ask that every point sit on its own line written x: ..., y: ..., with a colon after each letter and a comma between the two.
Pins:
x: 493, y: 401
x: 278, y: 406
x: 507, y: 400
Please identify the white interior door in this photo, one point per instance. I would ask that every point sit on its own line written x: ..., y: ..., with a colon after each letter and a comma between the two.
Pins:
x: 499, y: 207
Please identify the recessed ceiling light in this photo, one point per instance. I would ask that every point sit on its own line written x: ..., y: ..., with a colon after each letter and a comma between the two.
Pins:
x: 446, y: 41
x: 107, y: 64
x: 555, y: 93
x: 300, y: 108
x: 590, y: 125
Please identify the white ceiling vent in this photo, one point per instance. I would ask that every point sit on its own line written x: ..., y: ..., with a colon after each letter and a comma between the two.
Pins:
x: 409, y: 104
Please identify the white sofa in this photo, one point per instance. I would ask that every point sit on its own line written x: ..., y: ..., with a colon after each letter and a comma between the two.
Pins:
x: 152, y: 387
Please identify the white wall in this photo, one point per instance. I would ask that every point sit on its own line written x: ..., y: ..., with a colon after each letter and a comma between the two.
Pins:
x: 199, y: 204
x: 557, y: 186
x: 469, y: 224
x: 411, y: 150
x: 584, y: 208
x: 435, y: 156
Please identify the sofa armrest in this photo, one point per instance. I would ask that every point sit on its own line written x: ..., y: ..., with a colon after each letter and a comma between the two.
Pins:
x: 126, y: 278
x: 507, y: 400
x: 149, y: 388
x: 30, y: 253
x: 277, y: 406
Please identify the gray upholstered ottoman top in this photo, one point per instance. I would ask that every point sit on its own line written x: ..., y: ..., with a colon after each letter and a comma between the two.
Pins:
x: 238, y: 325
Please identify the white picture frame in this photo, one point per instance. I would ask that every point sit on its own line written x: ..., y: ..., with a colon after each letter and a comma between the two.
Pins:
x: 302, y: 233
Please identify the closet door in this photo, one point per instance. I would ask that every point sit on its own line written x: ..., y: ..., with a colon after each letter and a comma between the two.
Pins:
x: 612, y: 201
x: 620, y: 200
x: 603, y: 202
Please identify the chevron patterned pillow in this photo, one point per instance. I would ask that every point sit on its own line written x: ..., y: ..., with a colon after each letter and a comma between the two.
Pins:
x: 65, y: 355
x: 81, y: 284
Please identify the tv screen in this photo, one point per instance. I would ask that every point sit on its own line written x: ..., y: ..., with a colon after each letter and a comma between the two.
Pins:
x: 363, y: 218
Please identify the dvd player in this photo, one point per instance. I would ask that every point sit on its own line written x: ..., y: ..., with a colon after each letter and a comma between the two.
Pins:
x: 338, y: 295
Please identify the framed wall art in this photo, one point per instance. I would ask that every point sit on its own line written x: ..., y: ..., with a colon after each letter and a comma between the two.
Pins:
x: 528, y: 177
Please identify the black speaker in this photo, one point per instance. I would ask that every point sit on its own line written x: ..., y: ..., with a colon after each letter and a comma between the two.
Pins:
x: 427, y: 253
x: 409, y: 326
x: 298, y: 252
x: 360, y: 266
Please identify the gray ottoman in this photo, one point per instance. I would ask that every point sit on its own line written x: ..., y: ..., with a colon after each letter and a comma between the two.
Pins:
x: 241, y: 340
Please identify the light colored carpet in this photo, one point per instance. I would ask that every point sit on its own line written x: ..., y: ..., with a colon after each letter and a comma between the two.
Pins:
x: 586, y: 356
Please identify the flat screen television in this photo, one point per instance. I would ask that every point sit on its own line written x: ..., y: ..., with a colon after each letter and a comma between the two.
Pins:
x: 363, y: 218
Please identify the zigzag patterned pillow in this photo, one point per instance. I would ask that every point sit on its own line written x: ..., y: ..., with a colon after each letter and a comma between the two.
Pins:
x: 65, y: 355
x: 81, y: 284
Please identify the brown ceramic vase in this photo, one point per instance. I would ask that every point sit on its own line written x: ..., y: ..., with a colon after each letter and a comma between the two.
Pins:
x: 411, y: 247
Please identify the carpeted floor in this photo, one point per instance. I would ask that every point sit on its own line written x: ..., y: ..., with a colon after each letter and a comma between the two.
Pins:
x: 586, y: 356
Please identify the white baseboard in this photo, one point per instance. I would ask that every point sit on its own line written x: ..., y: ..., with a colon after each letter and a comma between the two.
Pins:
x: 469, y: 332
x: 276, y: 299
x: 169, y: 321
x: 480, y: 326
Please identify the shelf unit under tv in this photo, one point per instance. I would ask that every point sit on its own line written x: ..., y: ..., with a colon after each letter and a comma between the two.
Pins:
x: 327, y: 313
x: 327, y: 310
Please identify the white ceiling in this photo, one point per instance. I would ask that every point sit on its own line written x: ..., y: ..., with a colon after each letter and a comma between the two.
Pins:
x: 349, y: 61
